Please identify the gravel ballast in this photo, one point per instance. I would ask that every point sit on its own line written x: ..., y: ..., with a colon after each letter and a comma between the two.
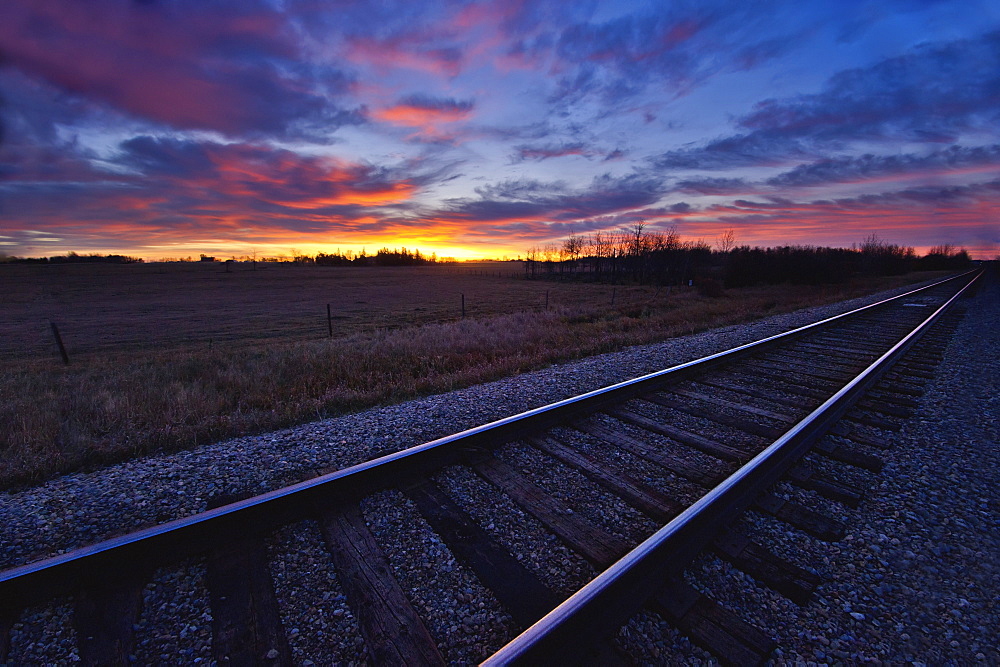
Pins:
x: 917, y: 577
x: 944, y: 594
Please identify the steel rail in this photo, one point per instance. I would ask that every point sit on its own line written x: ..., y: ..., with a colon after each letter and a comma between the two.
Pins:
x: 568, y: 633
x: 62, y: 574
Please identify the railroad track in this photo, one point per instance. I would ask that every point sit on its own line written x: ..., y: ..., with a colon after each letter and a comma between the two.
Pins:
x: 620, y: 487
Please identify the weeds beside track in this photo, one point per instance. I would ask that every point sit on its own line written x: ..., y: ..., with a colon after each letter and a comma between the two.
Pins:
x: 109, y: 406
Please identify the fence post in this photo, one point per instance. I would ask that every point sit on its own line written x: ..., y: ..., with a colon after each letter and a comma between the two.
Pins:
x: 59, y: 342
x: 463, y: 305
x: 329, y: 321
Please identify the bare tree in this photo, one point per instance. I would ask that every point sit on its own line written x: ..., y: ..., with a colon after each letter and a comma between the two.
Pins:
x: 873, y: 244
x: 945, y: 249
x: 726, y: 241
x: 573, y: 246
x: 603, y: 249
x: 637, y: 240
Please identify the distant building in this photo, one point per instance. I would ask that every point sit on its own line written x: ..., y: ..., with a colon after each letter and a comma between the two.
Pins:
x: 206, y: 258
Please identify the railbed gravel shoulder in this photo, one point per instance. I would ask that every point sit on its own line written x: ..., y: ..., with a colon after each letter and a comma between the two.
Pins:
x: 917, y: 578
x: 937, y: 589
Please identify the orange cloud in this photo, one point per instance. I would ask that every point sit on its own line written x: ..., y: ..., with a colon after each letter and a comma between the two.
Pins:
x: 427, y: 114
x: 416, y: 116
x: 289, y: 180
x: 394, y: 192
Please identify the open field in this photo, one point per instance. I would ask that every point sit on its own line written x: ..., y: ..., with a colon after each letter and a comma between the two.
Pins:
x: 114, y: 308
x: 167, y: 357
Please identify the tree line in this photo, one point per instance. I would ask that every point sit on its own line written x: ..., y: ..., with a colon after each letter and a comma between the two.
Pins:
x: 624, y: 255
x: 74, y: 258
x: 383, y: 257
x: 635, y: 255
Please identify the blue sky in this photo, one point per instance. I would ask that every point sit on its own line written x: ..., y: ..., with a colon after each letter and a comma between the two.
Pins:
x: 165, y: 129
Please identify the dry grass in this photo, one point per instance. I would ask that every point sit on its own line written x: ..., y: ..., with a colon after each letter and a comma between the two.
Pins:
x: 120, y: 400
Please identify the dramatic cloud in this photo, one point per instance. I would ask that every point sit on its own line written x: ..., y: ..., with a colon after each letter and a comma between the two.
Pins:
x: 923, y: 216
x: 184, y: 65
x: 870, y: 167
x: 169, y: 184
x: 487, y: 126
x: 538, y: 210
x: 713, y: 186
x: 932, y: 95
x: 743, y: 150
x: 547, y: 151
x: 861, y: 169
x: 409, y: 50
x: 428, y: 115
x: 669, y: 45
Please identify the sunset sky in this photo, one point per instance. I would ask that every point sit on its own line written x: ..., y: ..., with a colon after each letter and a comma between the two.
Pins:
x: 479, y: 129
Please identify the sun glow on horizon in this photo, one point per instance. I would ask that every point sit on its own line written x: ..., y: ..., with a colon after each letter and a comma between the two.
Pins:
x: 289, y: 250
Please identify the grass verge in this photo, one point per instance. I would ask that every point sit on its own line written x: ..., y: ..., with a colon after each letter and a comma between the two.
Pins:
x: 57, y: 419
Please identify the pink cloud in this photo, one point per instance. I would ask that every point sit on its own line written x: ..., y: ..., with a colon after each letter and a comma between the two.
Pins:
x: 203, y: 69
x: 420, y: 50
x: 429, y: 115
